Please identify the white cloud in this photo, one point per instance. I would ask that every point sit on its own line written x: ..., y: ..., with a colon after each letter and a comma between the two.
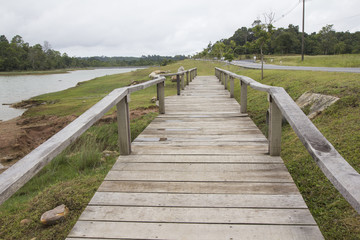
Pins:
x: 136, y: 27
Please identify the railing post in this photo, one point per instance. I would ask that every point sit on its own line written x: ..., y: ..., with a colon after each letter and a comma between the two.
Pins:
x: 187, y: 78
x: 182, y: 81
x: 195, y: 72
x: 243, y: 97
x: 225, y: 83
x: 274, y: 129
x: 220, y: 77
x: 231, y: 87
x: 123, y: 121
x: 178, y: 84
x: 161, y: 97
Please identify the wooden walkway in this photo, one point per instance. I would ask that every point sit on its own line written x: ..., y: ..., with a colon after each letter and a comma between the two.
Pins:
x: 200, y: 171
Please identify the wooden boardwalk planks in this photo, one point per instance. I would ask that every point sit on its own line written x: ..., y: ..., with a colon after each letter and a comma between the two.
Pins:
x: 200, y: 171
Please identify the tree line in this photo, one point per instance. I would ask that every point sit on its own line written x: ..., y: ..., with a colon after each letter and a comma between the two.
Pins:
x: 284, y: 41
x: 18, y: 55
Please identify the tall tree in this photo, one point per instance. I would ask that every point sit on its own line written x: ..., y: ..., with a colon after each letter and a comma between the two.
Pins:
x: 263, y: 32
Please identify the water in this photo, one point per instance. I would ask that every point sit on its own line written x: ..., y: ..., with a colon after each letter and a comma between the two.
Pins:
x: 14, y: 89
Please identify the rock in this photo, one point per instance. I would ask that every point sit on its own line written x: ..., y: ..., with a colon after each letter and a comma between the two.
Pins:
x: 153, y: 99
x: 133, y: 83
x: 155, y: 73
x: 8, y: 158
x: 34, y: 238
x: 55, y: 215
x: 173, y: 78
x: 181, y: 69
x: 108, y: 153
x: 160, y: 71
x: 25, y: 222
x: 316, y: 102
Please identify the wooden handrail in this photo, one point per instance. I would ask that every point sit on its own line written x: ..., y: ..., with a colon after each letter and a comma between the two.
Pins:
x: 340, y: 173
x: 21, y: 172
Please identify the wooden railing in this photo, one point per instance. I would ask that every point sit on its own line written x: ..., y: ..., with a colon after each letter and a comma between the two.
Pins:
x: 180, y: 82
x: 22, y: 171
x: 345, y: 178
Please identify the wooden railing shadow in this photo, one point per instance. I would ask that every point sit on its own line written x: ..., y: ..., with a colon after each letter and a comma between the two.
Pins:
x: 21, y: 172
x: 345, y: 178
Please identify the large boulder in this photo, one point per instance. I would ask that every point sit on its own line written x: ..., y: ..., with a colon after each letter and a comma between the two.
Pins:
x: 181, y: 69
x: 315, y: 102
x: 55, y: 215
x: 155, y: 73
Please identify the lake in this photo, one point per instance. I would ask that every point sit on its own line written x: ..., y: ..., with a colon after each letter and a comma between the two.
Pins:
x: 14, y: 89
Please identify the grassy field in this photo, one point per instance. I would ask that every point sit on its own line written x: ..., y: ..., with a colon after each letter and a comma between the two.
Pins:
x: 344, y: 60
x: 73, y: 177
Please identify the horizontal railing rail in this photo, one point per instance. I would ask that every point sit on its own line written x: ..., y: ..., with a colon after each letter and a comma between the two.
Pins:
x: 340, y: 173
x: 21, y: 172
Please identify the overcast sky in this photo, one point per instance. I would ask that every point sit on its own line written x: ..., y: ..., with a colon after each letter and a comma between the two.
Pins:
x: 135, y: 28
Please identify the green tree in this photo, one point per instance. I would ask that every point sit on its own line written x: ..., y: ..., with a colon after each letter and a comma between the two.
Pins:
x: 262, y: 32
x: 4, y: 51
x: 286, y: 43
x: 328, y: 39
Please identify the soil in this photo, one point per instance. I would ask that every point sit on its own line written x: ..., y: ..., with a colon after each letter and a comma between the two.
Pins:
x: 21, y: 135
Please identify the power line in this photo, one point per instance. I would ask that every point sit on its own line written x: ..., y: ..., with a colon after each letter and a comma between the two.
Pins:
x: 288, y: 12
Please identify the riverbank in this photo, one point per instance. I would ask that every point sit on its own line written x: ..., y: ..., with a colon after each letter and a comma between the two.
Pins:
x: 57, y: 71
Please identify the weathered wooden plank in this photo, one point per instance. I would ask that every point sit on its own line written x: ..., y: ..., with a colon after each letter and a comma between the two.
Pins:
x: 274, y: 188
x: 200, y: 167
x: 199, y: 131
x: 116, y: 230
x: 200, y: 149
x: 199, y: 138
x: 202, y: 115
x: 198, y: 200
x: 198, y: 215
x: 249, y: 176
x: 224, y: 159
x: 185, y: 144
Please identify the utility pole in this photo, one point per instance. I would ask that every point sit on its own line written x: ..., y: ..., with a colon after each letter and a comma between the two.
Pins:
x: 303, y: 28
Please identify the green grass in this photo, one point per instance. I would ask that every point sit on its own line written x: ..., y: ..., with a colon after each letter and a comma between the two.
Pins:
x: 344, y: 60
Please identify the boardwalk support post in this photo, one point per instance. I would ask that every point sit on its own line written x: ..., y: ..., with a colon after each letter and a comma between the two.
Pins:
x: 243, y: 97
x: 274, y: 129
x: 231, y: 87
x: 123, y: 120
x: 178, y: 84
x: 187, y: 78
x: 161, y: 97
x: 182, y: 82
x: 226, y: 80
